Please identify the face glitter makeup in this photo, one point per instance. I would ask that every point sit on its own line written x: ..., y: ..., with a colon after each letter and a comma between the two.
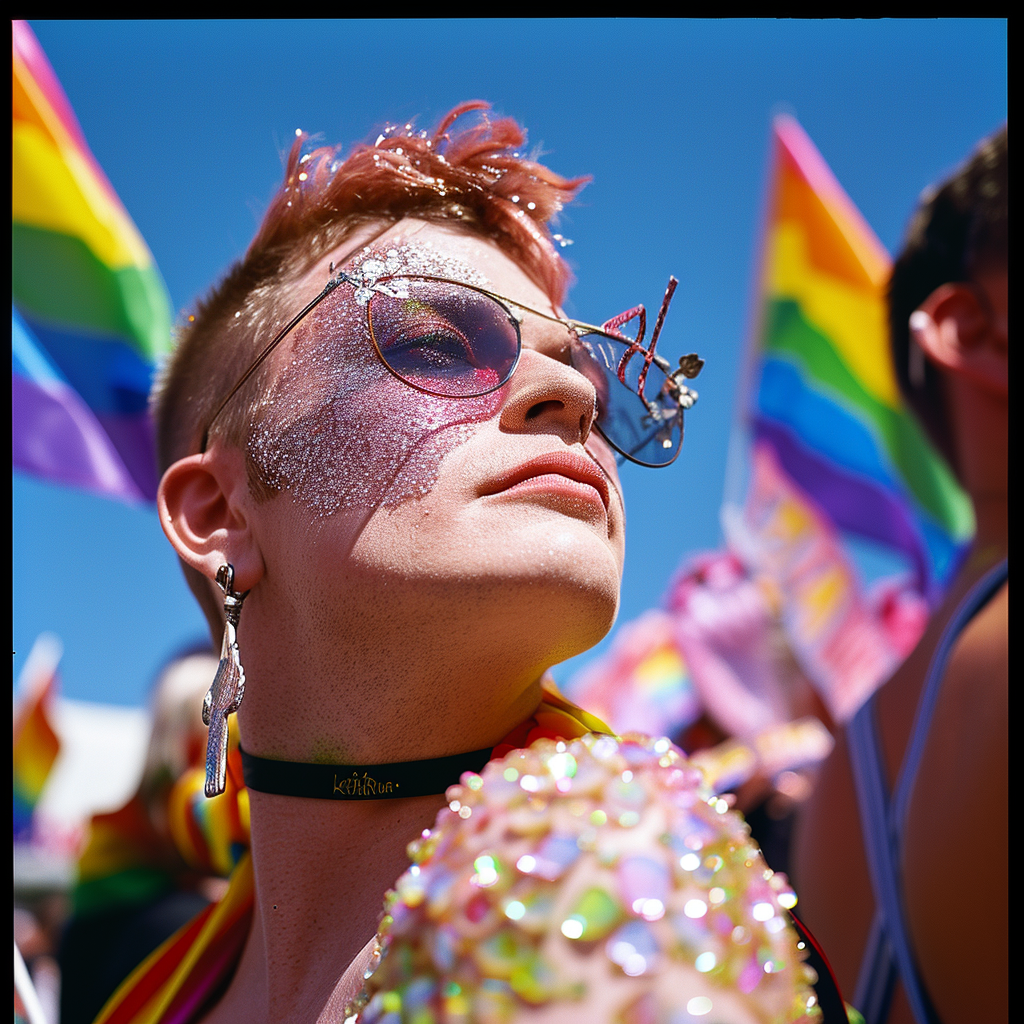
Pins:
x: 338, y: 430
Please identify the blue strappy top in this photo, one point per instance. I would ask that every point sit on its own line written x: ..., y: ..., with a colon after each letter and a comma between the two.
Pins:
x: 889, y: 953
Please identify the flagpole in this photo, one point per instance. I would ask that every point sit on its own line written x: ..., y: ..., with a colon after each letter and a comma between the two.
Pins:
x: 26, y: 990
x: 41, y: 663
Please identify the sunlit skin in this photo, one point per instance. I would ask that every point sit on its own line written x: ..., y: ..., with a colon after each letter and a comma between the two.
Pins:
x: 398, y: 631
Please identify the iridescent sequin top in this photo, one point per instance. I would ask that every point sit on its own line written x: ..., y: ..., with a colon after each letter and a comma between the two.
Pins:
x: 594, y: 880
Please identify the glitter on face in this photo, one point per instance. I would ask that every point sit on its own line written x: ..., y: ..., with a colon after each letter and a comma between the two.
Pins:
x: 337, y: 429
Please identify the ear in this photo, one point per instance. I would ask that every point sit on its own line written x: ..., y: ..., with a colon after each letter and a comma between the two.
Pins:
x: 204, y: 512
x: 955, y: 328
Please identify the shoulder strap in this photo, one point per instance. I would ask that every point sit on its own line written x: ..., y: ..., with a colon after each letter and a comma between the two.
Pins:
x: 877, y: 977
x: 889, y: 948
x: 979, y: 595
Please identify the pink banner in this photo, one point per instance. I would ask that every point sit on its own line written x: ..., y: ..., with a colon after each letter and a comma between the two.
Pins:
x: 846, y: 646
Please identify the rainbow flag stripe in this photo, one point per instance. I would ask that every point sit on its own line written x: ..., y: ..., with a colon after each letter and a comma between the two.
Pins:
x: 90, y: 299
x: 36, y: 744
x: 826, y: 397
x: 642, y: 684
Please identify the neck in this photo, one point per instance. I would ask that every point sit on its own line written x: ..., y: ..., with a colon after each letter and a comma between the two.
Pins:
x: 333, y: 692
x: 321, y: 866
x: 321, y: 869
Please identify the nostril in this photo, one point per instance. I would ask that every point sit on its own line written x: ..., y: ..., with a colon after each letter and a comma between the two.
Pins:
x: 542, y: 407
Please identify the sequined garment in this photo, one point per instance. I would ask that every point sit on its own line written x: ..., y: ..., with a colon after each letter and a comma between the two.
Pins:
x: 595, y: 880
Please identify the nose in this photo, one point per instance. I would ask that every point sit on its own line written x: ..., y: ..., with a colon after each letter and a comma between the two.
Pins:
x: 548, y: 396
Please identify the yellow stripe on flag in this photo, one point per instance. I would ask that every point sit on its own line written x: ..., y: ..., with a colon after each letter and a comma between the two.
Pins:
x: 56, y: 188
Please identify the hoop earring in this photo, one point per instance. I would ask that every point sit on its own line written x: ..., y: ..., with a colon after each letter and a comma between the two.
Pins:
x: 228, y: 687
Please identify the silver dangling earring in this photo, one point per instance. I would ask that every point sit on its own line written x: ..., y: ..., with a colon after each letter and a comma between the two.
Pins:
x: 228, y: 687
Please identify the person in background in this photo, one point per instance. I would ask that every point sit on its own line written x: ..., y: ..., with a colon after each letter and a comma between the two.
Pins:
x: 901, y: 855
x: 38, y: 919
x: 754, y: 693
x: 139, y: 876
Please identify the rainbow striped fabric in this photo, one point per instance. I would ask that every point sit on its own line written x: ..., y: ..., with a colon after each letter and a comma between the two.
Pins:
x: 36, y: 745
x: 91, y: 314
x: 826, y: 400
x: 125, y: 860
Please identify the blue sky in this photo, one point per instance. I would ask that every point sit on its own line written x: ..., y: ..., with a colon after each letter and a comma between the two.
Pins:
x: 190, y: 121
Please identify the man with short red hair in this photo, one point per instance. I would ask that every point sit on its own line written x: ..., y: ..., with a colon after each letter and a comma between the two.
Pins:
x: 389, y: 467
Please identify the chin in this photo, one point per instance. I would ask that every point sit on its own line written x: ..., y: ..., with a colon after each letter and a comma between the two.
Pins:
x: 584, y: 627
x: 569, y: 607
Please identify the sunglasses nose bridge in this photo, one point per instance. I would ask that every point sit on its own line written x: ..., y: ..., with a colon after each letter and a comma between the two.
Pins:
x: 551, y: 336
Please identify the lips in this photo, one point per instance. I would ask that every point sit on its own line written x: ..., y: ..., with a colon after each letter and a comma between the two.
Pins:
x: 566, y: 464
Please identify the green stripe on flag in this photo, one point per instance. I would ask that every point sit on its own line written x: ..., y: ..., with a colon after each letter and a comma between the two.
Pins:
x: 926, y: 474
x: 58, y: 280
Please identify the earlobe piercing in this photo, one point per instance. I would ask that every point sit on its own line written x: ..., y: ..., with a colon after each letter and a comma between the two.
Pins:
x: 228, y: 687
x: 915, y: 354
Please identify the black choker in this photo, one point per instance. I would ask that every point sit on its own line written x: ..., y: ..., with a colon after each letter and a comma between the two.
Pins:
x: 359, y: 781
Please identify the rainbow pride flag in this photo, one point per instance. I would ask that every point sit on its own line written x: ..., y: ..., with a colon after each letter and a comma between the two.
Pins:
x: 825, y: 399
x: 642, y: 684
x: 91, y: 314
x: 36, y: 745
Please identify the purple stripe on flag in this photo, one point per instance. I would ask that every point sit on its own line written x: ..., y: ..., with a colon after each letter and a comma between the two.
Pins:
x: 856, y: 504
x: 56, y: 436
x: 133, y: 437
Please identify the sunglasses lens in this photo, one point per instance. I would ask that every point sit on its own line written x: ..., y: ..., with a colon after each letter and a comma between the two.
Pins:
x: 442, y: 338
x: 648, y: 430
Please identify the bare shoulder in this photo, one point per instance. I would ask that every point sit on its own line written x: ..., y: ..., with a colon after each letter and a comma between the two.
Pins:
x: 969, y: 729
x: 960, y: 804
x: 595, y: 879
x: 979, y: 662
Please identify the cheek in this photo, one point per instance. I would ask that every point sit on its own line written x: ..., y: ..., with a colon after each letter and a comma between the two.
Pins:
x: 377, y: 443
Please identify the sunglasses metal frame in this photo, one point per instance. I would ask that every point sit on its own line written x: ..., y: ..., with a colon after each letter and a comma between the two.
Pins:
x: 689, y: 365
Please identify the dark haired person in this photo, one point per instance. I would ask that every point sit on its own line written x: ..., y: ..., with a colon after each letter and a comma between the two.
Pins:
x: 389, y: 467
x: 902, y: 856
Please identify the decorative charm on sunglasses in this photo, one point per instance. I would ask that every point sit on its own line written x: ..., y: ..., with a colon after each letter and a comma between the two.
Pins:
x: 225, y: 694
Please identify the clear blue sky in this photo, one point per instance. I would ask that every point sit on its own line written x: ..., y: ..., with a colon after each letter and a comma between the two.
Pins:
x: 190, y: 120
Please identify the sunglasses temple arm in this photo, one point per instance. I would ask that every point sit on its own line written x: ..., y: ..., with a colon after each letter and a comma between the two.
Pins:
x: 669, y: 292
